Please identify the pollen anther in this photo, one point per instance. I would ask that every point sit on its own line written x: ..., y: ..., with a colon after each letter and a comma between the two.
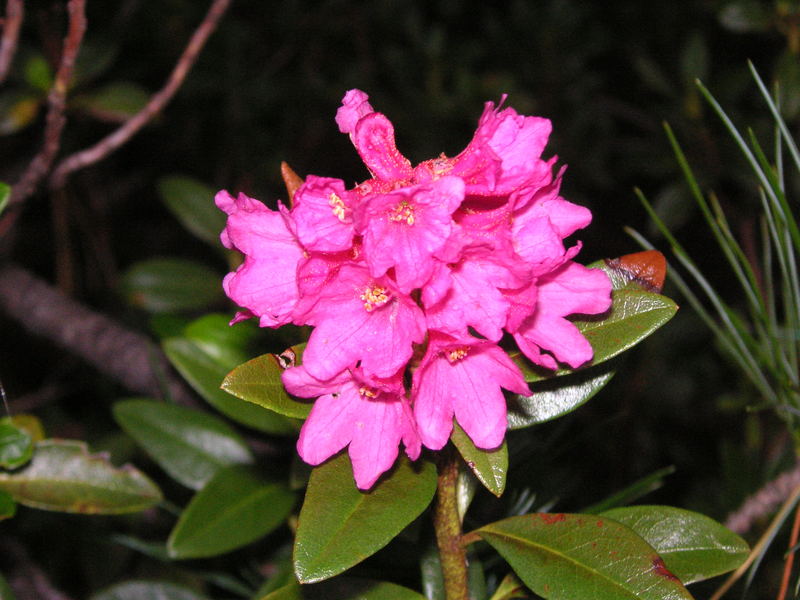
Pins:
x: 403, y: 212
x: 337, y: 207
x: 375, y: 296
x: 367, y: 392
x: 457, y: 354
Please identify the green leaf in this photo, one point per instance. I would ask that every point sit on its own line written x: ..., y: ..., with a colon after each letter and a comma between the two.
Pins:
x: 64, y: 477
x: 489, y: 466
x: 192, y: 202
x: 340, y: 525
x: 344, y: 588
x: 634, y: 315
x: 171, y: 284
x: 433, y: 580
x: 217, y: 338
x: 147, y: 590
x: 8, y: 508
x: 510, y: 588
x: 5, y: 590
x: 156, y: 550
x: 17, y: 111
x: 693, y: 546
x: 205, y: 373
x: 570, y: 556
x: 16, y: 445
x: 189, y: 445
x: 37, y: 73
x: 259, y: 381
x: 5, y: 194
x: 555, y: 397
x: 235, y: 508
x: 116, y: 101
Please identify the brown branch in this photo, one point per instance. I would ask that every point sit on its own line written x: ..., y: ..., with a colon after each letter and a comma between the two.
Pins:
x: 157, y: 102
x: 15, y: 10
x: 763, y: 502
x: 56, y: 101
x: 126, y: 356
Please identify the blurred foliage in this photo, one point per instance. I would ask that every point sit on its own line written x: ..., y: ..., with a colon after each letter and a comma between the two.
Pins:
x: 265, y: 89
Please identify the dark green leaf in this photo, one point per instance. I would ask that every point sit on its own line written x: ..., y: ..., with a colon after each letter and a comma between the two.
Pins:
x: 693, y: 546
x: 216, y: 337
x: 205, y: 373
x: 633, y: 492
x: 8, y: 508
x: 16, y: 445
x: 5, y: 590
x: 5, y: 194
x: 557, y: 396
x: 510, y: 588
x: 634, y: 315
x: 157, y: 550
x: 340, y: 525
x: 567, y: 557
x: 116, y: 101
x: 63, y: 476
x: 148, y: 590
x: 344, y: 588
x: 235, y: 508
x: 189, y: 445
x: 17, y: 111
x: 489, y: 466
x: 259, y: 381
x: 171, y: 284
x: 192, y: 202
x: 37, y: 73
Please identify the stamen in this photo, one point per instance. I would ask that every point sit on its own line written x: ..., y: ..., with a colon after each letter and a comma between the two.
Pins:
x: 337, y: 207
x: 375, y: 296
x: 402, y: 212
x: 366, y: 392
x: 456, y: 354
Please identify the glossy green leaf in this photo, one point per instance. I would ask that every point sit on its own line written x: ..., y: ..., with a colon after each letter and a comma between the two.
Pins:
x: 217, y: 338
x: 259, y: 381
x: 16, y: 445
x: 171, y: 284
x: 192, y: 202
x: 5, y: 194
x: 189, y: 445
x: 489, y: 466
x: 205, y: 373
x: 634, y: 315
x: 8, y: 508
x: 116, y: 101
x: 555, y: 397
x: 30, y: 424
x: 693, y: 546
x: 235, y: 508
x: 510, y: 588
x: 64, y: 477
x: 344, y: 588
x: 340, y: 525
x: 6, y: 593
x: 148, y: 590
x: 572, y: 556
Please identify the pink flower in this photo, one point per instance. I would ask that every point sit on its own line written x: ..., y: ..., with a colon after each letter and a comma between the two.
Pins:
x: 462, y: 377
x: 361, y: 318
x: 415, y: 261
x: 265, y: 283
x: 371, y: 415
x: 404, y: 229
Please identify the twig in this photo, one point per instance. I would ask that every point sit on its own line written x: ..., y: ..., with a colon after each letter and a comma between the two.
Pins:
x: 15, y: 11
x: 56, y: 101
x: 764, y: 501
x: 128, y: 357
x: 787, y: 567
x: 447, y: 525
x: 157, y: 102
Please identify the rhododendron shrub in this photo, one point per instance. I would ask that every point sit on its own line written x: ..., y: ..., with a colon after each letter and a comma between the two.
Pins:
x: 418, y: 271
x: 438, y: 297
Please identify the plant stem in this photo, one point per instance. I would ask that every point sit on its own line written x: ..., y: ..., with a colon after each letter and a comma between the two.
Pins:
x: 447, y: 524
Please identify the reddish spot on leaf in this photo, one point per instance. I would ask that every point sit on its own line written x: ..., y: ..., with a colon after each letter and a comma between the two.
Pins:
x: 551, y: 518
x: 659, y: 568
x: 600, y: 523
x: 647, y: 268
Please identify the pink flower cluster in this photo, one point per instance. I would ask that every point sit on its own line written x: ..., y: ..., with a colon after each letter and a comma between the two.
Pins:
x: 413, y: 277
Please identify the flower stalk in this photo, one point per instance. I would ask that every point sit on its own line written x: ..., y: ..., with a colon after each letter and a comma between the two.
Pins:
x: 452, y: 554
